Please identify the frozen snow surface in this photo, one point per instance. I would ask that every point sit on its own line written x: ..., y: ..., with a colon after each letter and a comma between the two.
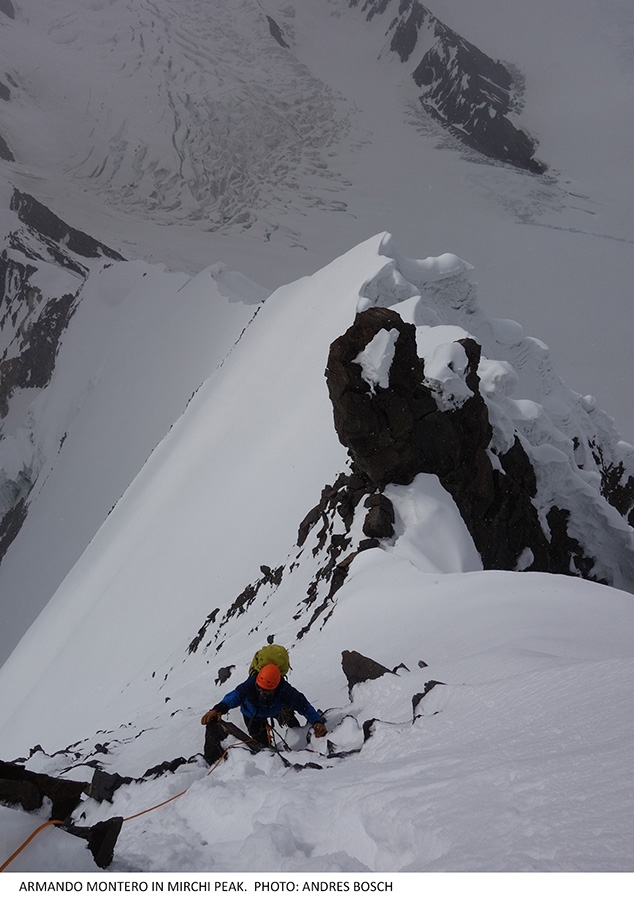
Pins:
x: 519, y: 759
x: 187, y: 431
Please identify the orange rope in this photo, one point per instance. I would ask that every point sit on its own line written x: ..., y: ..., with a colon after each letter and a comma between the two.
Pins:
x: 127, y: 819
x: 176, y: 796
x: 28, y: 841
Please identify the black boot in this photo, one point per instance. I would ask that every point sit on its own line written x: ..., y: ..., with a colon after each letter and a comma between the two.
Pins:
x: 214, y: 736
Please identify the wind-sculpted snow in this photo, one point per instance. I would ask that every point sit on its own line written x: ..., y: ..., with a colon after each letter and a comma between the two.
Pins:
x: 559, y: 429
x: 200, y: 562
x: 177, y: 495
x: 226, y: 490
x: 546, y: 446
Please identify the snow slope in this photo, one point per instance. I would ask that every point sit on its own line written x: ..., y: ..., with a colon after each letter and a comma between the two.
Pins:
x: 140, y: 344
x: 489, y: 772
x: 521, y: 760
x: 214, y: 503
x: 313, y: 148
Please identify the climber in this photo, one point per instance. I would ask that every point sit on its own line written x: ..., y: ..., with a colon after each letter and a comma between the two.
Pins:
x: 263, y: 695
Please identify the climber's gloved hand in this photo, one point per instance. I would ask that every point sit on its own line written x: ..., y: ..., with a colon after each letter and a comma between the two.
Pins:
x: 213, y: 715
x: 320, y: 729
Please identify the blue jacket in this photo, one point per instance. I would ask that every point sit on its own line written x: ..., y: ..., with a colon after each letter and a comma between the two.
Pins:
x: 253, y: 706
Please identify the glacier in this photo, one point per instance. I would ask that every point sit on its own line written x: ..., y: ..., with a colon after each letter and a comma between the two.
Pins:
x: 196, y: 200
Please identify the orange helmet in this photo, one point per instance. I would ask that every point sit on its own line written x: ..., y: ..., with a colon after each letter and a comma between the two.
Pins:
x: 268, y: 677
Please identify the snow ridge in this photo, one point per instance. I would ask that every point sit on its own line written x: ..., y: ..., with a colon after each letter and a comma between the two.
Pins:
x: 189, y: 499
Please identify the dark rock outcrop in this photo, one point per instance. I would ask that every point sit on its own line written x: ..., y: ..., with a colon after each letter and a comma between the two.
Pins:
x: 62, y: 241
x: 7, y: 8
x: 20, y: 793
x: 21, y: 787
x: 101, y: 838
x: 104, y: 785
x: 467, y: 91
x: 379, y: 428
x: 11, y: 523
x: 429, y: 685
x: 22, y: 784
x: 5, y: 151
x: 395, y: 432
x: 358, y: 668
x: 379, y: 522
x: 276, y: 32
x: 567, y: 554
x: 34, y: 366
x: 471, y: 93
x: 323, y: 546
x: 617, y: 486
x: 33, y: 320
x: 224, y: 674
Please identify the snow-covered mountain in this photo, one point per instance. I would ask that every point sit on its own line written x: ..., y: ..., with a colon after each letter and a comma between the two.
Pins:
x: 176, y: 489
x: 197, y: 566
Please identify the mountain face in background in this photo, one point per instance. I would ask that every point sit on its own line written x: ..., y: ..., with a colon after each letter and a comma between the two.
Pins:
x: 170, y: 136
x: 33, y: 322
x: 467, y: 91
x: 43, y: 266
x: 261, y: 379
x: 203, y: 55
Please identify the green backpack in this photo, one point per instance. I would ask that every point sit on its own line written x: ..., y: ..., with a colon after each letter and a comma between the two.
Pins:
x: 272, y: 653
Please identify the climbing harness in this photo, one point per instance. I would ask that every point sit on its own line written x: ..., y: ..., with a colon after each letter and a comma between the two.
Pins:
x: 273, y: 735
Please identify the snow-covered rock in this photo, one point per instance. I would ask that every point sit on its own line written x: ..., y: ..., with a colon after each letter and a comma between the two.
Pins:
x: 213, y: 504
x: 188, y: 497
x: 476, y: 97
